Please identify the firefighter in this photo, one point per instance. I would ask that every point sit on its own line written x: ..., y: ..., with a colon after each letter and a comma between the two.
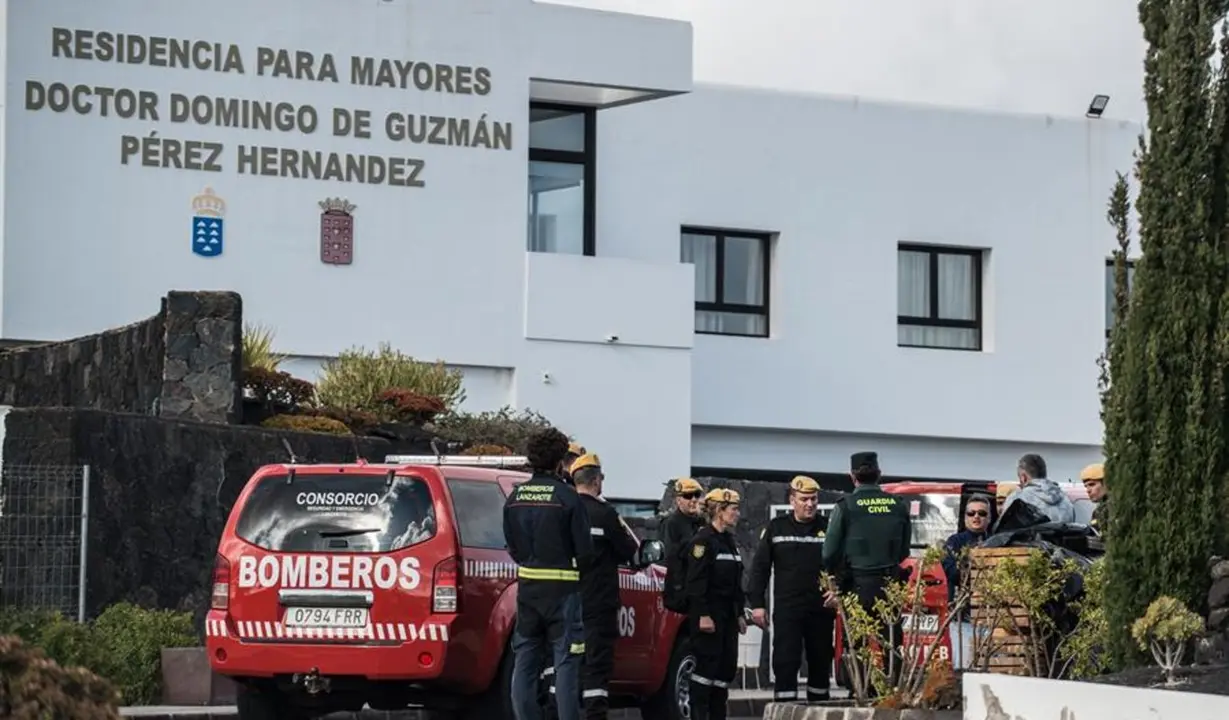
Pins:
x: 715, y: 606
x: 1093, y: 478
x: 575, y: 450
x: 614, y: 544
x: 678, y: 529
x: 548, y: 536
x: 793, y: 546
x: 869, y: 535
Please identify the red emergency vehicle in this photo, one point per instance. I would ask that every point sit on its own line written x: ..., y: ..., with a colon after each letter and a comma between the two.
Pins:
x: 937, y: 511
x: 389, y: 585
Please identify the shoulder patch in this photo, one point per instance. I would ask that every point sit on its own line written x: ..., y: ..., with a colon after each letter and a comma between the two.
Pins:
x: 697, y: 551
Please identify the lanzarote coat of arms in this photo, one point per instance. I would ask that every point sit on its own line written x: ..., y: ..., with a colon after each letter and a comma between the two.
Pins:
x: 337, y: 231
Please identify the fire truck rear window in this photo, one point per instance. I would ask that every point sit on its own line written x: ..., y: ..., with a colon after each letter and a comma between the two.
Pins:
x: 338, y: 513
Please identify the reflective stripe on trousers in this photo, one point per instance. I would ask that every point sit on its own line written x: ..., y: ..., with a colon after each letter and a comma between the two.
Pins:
x: 706, y: 681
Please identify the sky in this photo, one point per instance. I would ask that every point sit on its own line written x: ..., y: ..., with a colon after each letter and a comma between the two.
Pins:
x: 1032, y: 56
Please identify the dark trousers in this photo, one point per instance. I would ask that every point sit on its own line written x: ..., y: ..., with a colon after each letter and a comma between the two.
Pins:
x: 547, y: 627
x: 792, y: 630
x: 870, y: 588
x: 601, y: 634
x: 716, y: 666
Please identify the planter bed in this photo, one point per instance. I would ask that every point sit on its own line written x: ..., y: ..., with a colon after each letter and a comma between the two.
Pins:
x: 1208, y: 679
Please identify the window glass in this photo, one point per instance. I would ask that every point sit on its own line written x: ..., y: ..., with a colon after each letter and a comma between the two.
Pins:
x: 957, y: 287
x: 556, y: 207
x: 913, y: 284
x: 744, y: 271
x: 551, y: 129
x: 342, y: 512
x: 701, y: 251
x: 479, y: 511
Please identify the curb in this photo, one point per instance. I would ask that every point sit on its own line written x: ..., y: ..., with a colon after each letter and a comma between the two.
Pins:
x: 795, y: 711
x: 741, y: 708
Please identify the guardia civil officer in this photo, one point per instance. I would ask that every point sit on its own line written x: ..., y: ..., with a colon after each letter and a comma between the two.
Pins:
x: 614, y: 544
x: 677, y: 531
x: 715, y: 606
x: 548, y: 535
x: 869, y: 535
x: 793, y: 546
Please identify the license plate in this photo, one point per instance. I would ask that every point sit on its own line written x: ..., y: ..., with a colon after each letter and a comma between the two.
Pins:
x: 326, y: 617
x: 924, y: 624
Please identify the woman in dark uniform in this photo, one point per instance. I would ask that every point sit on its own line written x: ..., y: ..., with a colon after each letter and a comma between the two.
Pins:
x: 715, y: 606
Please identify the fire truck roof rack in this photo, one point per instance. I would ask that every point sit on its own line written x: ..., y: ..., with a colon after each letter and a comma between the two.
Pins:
x: 503, y: 461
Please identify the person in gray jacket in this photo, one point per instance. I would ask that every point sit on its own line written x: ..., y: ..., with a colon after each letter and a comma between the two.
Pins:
x: 1041, y: 493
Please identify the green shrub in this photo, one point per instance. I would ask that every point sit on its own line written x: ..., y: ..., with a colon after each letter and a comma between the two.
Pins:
x: 356, y: 378
x: 506, y: 426
x: 307, y: 423
x: 482, y: 449
x: 124, y: 645
x: 258, y: 348
x: 34, y: 688
x: 133, y: 639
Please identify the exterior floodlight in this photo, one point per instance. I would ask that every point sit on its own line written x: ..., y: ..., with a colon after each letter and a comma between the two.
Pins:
x: 1097, y: 106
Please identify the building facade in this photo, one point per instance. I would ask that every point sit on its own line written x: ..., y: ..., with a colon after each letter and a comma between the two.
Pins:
x: 686, y: 278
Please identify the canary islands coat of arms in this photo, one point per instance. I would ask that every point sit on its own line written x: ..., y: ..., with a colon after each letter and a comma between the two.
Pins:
x: 337, y: 231
x: 207, y: 212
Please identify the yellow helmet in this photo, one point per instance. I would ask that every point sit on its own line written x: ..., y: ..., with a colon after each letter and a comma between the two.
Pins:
x: 722, y: 495
x: 804, y: 485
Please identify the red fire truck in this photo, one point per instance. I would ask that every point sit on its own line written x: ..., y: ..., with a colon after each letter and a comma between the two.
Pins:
x: 389, y: 585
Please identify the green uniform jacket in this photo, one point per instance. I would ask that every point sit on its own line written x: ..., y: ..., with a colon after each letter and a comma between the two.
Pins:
x: 869, y: 532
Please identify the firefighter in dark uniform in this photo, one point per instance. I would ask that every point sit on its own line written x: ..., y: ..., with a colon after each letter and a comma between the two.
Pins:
x: 677, y: 530
x: 549, y: 538
x: 1093, y: 478
x: 793, y: 546
x: 715, y: 606
x: 575, y: 450
x: 614, y: 544
x: 869, y: 535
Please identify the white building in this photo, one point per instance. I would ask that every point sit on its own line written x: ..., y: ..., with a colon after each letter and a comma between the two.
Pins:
x: 681, y: 277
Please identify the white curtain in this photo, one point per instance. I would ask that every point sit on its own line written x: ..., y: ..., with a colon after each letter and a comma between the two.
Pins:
x: 957, y: 290
x: 701, y: 251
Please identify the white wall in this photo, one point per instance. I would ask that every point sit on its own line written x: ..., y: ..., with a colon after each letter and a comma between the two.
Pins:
x: 1005, y: 696
x: 842, y: 182
x: 441, y: 271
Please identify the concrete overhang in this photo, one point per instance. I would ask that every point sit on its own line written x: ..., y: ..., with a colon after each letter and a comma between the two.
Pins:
x: 605, y: 59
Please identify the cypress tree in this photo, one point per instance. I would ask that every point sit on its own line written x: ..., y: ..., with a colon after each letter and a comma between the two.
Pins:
x: 1165, y: 410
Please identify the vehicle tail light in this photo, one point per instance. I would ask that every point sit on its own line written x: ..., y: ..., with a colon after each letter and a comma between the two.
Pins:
x: 221, y: 584
x: 445, y: 587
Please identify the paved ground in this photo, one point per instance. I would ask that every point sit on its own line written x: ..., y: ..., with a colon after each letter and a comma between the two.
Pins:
x: 744, y: 704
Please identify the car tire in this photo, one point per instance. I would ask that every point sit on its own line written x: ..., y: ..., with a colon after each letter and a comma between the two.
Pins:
x: 263, y: 703
x: 673, y: 700
x: 496, y: 702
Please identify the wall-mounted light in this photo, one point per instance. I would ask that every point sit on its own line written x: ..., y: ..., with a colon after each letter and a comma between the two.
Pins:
x: 1097, y: 106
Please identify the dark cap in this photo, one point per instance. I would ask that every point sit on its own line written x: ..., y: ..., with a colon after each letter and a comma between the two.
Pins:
x: 860, y: 461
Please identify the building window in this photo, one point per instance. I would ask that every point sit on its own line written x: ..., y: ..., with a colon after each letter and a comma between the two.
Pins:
x: 939, y: 297
x: 562, y: 146
x: 731, y: 280
x: 1110, y: 288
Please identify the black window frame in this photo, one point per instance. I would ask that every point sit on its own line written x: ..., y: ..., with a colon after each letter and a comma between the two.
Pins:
x: 933, y: 253
x: 1109, y: 264
x: 586, y: 158
x: 719, y: 235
